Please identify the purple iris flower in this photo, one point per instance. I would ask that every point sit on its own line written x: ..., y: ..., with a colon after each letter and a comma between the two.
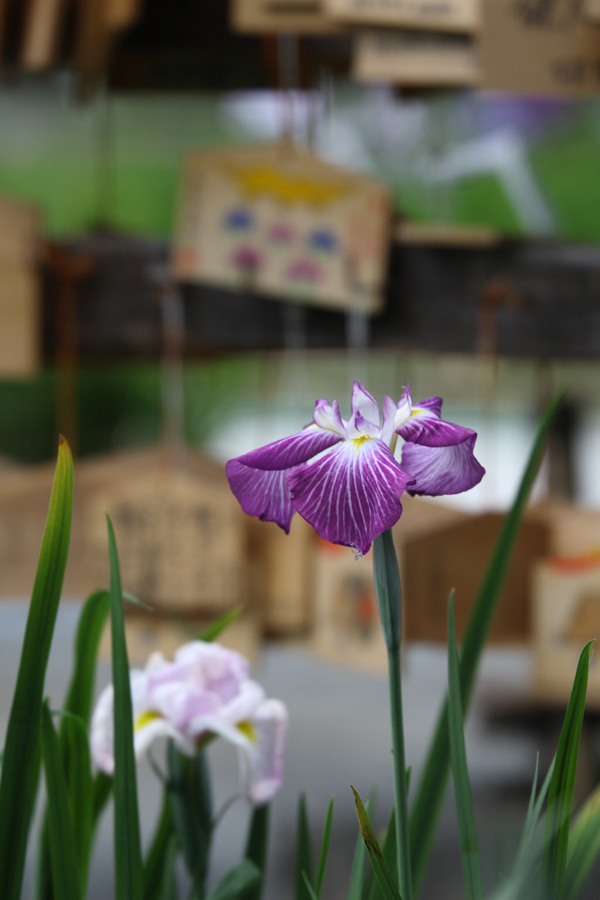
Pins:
x: 342, y: 477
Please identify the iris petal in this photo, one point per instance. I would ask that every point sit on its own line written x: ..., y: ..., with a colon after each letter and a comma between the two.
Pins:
x: 351, y: 494
x: 425, y: 427
x: 442, y: 470
x: 366, y: 404
x: 290, y: 451
x: 262, y: 494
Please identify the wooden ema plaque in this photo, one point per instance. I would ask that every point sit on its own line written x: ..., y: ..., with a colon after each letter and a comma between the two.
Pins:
x: 445, y: 15
x: 20, y: 237
x: 417, y: 59
x: 179, y: 534
x: 539, y: 48
x: 282, y: 576
x: 282, y: 16
x: 279, y: 221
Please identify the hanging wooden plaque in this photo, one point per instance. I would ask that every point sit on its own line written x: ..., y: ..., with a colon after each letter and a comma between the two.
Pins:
x: 180, y: 533
x: 444, y: 15
x: 282, y: 16
x: 417, y: 59
x: 19, y: 289
x: 539, y: 48
x: 279, y: 221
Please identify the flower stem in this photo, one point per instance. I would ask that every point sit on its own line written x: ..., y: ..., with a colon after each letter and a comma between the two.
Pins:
x: 389, y: 601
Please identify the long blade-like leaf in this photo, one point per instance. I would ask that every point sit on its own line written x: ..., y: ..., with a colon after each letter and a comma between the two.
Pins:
x: 212, y: 632
x: 236, y: 882
x: 20, y: 764
x: 357, y: 889
x: 256, y: 847
x: 469, y: 849
x: 430, y: 792
x: 388, y: 848
x: 562, y: 786
x: 61, y: 832
x: 324, y: 853
x: 303, y: 851
x: 380, y: 867
x: 584, y: 845
x: 73, y: 740
x: 191, y: 805
x: 128, y: 854
x: 156, y: 861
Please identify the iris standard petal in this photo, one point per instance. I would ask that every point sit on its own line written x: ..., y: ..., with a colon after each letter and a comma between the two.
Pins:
x: 290, y: 451
x: 363, y: 402
x: 442, y: 470
x: 263, y: 494
x: 351, y: 494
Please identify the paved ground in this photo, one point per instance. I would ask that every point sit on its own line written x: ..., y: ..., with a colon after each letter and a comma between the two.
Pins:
x: 339, y: 736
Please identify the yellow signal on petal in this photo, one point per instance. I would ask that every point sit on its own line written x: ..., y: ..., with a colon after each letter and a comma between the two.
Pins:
x: 247, y: 729
x: 145, y: 718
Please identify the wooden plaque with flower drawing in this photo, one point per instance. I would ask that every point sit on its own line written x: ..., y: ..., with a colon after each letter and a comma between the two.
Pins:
x: 279, y: 221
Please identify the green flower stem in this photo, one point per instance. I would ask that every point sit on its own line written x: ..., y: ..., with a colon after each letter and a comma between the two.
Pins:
x: 389, y: 601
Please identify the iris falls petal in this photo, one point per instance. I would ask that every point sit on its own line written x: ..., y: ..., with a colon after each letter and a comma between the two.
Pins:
x: 442, y: 470
x: 290, y: 451
x: 351, y: 494
x: 260, y: 493
x: 425, y: 428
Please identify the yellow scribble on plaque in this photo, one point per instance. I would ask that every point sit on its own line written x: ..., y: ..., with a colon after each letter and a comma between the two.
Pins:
x: 287, y: 188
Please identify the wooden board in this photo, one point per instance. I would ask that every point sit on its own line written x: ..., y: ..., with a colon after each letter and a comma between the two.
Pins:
x: 180, y: 536
x: 457, y: 558
x: 41, y: 35
x: 279, y: 221
x: 147, y: 633
x: 445, y: 15
x: 539, y: 48
x: 20, y: 321
x: 416, y: 59
x: 566, y: 615
x: 282, y: 579
x: 266, y: 17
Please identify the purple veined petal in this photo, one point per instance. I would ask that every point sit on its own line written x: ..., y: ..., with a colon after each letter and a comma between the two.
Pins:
x: 442, y: 470
x: 426, y: 428
x: 351, y: 494
x: 433, y: 404
x: 263, y: 494
x: 363, y: 402
x: 261, y: 760
x: 290, y: 451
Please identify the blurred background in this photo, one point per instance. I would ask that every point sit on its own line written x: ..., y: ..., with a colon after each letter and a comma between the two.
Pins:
x: 212, y: 214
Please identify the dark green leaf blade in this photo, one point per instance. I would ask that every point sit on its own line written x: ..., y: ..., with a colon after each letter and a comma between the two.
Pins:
x: 324, y: 852
x: 584, y: 845
x: 156, y: 861
x: 128, y: 854
x: 212, y: 632
x: 256, y: 847
x: 434, y: 777
x: 20, y: 764
x: 562, y: 786
x: 63, y: 846
x: 235, y: 882
x: 303, y: 851
x: 191, y: 806
x: 388, y: 848
x: 380, y: 867
x: 469, y: 848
